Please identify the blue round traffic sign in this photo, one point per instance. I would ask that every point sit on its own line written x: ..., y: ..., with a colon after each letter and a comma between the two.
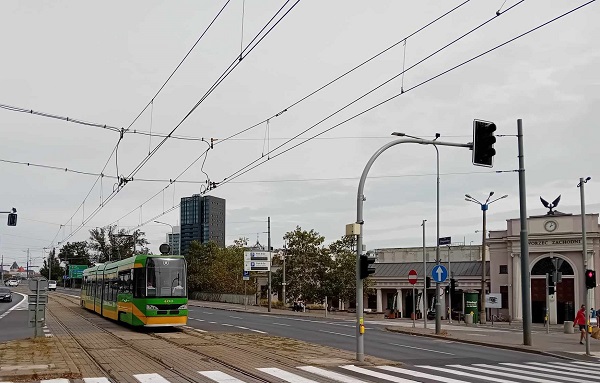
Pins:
x: 439, y: 273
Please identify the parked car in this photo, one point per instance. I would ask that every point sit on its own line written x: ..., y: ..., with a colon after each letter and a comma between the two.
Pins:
x: 12, y: 283
x: 5, y: 294
x: 51, y: 285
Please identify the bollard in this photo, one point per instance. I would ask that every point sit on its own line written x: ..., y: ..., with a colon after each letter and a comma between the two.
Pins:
x: 468, y: 319
x: 568, y: 326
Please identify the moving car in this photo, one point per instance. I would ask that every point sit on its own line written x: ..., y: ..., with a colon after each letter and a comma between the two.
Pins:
x: 51, y: 285
x: 5, y: 294
x: 12, y: 282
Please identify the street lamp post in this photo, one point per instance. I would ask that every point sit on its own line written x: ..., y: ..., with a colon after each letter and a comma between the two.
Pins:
x: 172, y: 234
x: 438, y: 312
x: 484, y: 208
x: 283, y: 284
x: 425, y: 301
x: 580, y: 185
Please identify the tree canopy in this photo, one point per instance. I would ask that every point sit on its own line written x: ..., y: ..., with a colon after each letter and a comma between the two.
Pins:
x: 112, y: 244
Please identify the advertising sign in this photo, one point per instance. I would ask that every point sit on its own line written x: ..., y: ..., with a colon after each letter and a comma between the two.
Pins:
x: 493, y: 301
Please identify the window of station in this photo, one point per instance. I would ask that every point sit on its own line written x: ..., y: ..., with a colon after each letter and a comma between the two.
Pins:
x: 503, y: 269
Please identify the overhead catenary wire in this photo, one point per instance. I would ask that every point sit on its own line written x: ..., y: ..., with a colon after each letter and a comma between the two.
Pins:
x: 249, y: 48
x: 250, y: 165
x: 229, y: 179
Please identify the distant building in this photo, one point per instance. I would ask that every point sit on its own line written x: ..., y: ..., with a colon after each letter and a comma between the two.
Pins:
x: 173, y: 239
x: 202, y: 220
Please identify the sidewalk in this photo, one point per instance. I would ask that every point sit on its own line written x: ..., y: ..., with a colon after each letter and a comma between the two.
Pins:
x: 501, y: 334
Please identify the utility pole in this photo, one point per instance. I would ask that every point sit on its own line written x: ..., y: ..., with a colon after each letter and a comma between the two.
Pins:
x: 49, y: 267
x: 270, y: 260
x: 425, y: 302
x: 2, y: 269
x: 449, y: 289
x: 283, y: 284
x: 585, y: 262
x: 27, y: 263
x: 482, y: 314
x: 525, y: 275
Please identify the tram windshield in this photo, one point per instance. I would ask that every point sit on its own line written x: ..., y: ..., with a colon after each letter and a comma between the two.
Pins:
x: 166, y: 277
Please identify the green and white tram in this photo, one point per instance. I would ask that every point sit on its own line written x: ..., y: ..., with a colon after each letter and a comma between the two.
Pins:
x: 143, y: 290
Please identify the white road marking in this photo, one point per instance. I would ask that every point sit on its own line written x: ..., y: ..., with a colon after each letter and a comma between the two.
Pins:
x: 521, y: 370
x: 285, y: 375
x: 226, y: 324
x: 498, y: 373
x: 337, y: 333
x: 376, y: 374
x: 258, y: 331
x: 199, y: 320
x: 331, y: 375
x: 555, y: 369
x: 212, y: 322
x: 231, y: 316
x: 23, y: 305
x: 583, y: 368
x: 205, y: 312
x: 220, y: 377
x: 418, y: 374
x: 96, y: 380
x: 466, y: 374
x: 150, y: 378
x: 422, y: 349
x: 282, y: 324
x: 54, y: 381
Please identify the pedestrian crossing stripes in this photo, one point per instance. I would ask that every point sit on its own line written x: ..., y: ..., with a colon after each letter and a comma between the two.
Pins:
x: 558, y: 372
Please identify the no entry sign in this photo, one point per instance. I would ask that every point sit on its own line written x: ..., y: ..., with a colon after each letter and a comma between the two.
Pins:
x: 412, y: 277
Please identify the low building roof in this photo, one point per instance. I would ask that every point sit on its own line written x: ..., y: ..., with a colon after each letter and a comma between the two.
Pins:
x: 458, y: 269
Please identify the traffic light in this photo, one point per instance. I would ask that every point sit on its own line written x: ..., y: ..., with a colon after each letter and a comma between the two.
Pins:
x: 12, y: 219
x: 365, y: 266
x: 590, y: 279
x: 452, y: 286
x: 483, y: 143
x: 427, y: 282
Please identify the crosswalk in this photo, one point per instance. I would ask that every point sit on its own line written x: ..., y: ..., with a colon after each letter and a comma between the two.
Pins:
x: 556, y: 372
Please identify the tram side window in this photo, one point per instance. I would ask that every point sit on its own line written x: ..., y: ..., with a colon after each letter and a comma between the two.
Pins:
x: 139, y: 282
x: 125, y: 282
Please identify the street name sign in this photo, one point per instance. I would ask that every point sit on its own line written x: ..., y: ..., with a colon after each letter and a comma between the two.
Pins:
x: 412, y: 277
x: 246, y: 275
x: 439, y: 273
x: 445, y: 241
x: 257, y: 266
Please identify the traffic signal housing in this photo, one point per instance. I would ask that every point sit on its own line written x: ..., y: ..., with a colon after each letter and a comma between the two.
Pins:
x: 12, y: 219
x: 452, y: 286
x: 483, y: 143
x: 590, y: 279
x: 427, y: 282
x: 366, y: 267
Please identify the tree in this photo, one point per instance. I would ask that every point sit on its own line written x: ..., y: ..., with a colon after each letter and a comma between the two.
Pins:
x: 343, y: 276
x: 52, y: 264
x: 111, y: 244
x: 75, y: 253
x: 308, y: 265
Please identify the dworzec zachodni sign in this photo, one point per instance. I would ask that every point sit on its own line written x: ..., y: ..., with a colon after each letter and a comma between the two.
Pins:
x: 547, y: 242
x: 257, y: 261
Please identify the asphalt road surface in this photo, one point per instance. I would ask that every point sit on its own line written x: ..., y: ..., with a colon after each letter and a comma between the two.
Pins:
x: 338, y: 333
x: 13, y: 319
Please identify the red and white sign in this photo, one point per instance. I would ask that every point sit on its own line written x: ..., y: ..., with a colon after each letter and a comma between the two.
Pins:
x: 412, y: 277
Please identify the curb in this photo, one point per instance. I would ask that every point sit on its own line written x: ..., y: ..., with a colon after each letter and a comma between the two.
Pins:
x: 241, y: 310
x: 479, y: 343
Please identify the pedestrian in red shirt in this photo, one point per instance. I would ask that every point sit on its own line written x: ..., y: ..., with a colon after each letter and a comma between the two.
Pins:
x: 580, y: 320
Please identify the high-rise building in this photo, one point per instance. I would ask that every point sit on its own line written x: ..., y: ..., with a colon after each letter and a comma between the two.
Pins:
x: 202, y: 220
x: 173, y: 239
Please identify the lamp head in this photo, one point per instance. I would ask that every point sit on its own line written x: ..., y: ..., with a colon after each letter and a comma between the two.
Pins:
x: 468, y: 196
x: 398, y: 134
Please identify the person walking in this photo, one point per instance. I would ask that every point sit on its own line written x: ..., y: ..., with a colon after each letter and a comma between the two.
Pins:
x: 580, y: 320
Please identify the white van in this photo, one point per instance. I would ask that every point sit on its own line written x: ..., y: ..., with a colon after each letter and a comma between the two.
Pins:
x: 51, y: 285
x: 13, y: 282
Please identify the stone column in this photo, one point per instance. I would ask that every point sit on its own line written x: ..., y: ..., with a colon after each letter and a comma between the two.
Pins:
x: 516, y: 305
x: 379, y: 301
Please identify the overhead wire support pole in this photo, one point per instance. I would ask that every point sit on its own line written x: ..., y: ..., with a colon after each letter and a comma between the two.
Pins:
x: 360, y: 352
x: 581, y: 184
x: 525, y: 275
x: 270, y: 260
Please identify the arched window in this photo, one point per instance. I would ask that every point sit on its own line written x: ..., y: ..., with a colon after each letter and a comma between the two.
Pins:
x: 545, y: 266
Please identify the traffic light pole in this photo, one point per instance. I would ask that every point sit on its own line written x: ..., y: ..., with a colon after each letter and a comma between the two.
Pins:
x: 360, y: 351
x: 585, y: 262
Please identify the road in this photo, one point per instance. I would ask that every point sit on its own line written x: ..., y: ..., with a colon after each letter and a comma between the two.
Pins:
x: 340, y: 334
x: 413, y: 350
x: 13, y: 319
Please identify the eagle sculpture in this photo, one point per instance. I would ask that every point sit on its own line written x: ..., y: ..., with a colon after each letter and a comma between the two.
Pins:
x: 550, y: 206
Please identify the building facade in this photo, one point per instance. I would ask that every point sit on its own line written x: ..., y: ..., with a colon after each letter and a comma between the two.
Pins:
x: 173, y: 239
x: 554, y: 240
x: 202, y: 220
x: 392, y: 291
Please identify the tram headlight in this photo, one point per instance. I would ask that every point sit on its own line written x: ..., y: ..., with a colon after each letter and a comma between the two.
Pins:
x: 182, y: 307
x: 151, y: 307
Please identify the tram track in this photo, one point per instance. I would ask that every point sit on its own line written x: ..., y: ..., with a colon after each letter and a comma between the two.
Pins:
x: 143, y: 352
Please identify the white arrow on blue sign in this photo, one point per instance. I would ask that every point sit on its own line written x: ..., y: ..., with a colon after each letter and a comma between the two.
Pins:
x: 439, y: 273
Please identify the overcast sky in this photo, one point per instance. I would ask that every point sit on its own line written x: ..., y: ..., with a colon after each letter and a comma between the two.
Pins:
x: 104, y: 61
